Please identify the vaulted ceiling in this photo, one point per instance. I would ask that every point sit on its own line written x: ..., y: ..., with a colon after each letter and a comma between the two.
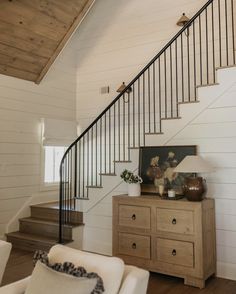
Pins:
x: 33, y: 32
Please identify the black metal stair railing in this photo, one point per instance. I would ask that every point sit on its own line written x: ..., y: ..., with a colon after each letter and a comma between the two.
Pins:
x: 189, y: 59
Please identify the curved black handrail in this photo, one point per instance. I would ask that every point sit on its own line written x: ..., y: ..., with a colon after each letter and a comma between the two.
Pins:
x: 138, y: 76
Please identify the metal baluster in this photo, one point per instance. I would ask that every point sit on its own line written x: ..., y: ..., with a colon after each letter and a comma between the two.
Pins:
x: 96, y: 162
x: 165, y: 85
x: 128, y: 121
x: 144, y: 109
x: 83, y: 166
x: 213, y: 42
x: 75, y: 172
x: 100, y: 141
x: 105, y: 142
x: 87, y: 163
x: 207, y: 61
x: 182, y: 66
x: 176, y: 78
x: 171, y: 84
x: 154, y: 96
x: 91, y: 156
x: 114, y: 135
x: 219, y: 18
x: 139, y: 127
x: 160, y: 107
x: 149, y: 102
x: 109, y: 112
x: 226, y: 32
x: 200, y: 44
x: 194, y: 64
x: 233, y: 30
x: 79, y: 164
x: 124, y: 127
x: 119, y: 127
x: 188, y: 60
x: 133, y: 116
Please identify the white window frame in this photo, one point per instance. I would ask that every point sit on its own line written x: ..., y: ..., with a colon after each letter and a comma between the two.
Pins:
x: 46, y: 186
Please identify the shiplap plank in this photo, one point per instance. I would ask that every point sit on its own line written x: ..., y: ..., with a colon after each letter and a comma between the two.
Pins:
x: 17, y: 192
x: 226, y: 238
x: 15, y: 181
x: 11, y: 204
x: 16, y: 159
x: 13, y: 148
x: 19, y: 170
x: 216, y: 130
x: 35, y: 108
x: 14, y: 137
x: 225, y: 222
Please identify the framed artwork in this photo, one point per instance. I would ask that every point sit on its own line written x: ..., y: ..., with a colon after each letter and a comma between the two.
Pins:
x: 156, y: 168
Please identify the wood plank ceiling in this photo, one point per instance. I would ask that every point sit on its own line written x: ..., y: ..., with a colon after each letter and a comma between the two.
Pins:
x: 33, y: 32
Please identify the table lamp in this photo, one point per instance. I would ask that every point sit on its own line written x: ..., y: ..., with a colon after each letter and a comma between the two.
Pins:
x: 194, y: 187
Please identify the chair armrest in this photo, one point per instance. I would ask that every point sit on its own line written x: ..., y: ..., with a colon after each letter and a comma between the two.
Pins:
x: 18, y: 287
x: 135, y: 281
x: 5, y: 249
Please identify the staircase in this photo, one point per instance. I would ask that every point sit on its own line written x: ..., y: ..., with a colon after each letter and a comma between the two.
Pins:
x: 40, y: 230
x: 170, y: 83
x: 135, y: 118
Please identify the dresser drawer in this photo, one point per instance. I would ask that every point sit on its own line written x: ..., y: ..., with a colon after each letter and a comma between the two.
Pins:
x: 134, y: 245
x: 176, y: 221
x: 175, y: 252
x: 135, y: 216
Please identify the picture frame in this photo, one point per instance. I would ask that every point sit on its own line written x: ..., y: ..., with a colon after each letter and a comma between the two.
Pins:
x: 156, y: 168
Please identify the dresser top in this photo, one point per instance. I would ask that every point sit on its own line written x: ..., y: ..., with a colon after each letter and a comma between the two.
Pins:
x: 151, y: 199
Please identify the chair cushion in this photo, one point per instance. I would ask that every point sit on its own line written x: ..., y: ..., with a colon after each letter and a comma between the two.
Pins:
x: 47, y: 281
x: 110, y: 269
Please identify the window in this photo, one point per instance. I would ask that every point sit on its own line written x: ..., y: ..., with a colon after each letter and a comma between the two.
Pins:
x: 53, y: 156
x: 56, y: 136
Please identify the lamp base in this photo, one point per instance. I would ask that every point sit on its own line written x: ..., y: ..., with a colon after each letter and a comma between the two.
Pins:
x: 194, y: 188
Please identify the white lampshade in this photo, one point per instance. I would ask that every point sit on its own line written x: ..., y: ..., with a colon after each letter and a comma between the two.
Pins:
x: 193, y: 164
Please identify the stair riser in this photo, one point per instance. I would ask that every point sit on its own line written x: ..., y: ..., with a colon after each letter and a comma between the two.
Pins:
x: 27, y: 245
x: 53, y: 215
x: 46, y: 230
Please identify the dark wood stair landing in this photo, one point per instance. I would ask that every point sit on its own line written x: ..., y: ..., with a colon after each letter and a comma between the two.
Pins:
x: 40, y: 231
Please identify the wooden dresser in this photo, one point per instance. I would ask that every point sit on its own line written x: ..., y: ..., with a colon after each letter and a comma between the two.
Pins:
x: 166, y: 236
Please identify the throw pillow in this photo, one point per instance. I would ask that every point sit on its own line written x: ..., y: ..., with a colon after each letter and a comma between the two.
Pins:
x: 70, y: 269
x: 45, y: 280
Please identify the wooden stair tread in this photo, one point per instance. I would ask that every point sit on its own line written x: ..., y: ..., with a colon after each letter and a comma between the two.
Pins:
x: 42, y: 221
x: 33, y: 237
x: 35, y: 220
x: 52, y: 205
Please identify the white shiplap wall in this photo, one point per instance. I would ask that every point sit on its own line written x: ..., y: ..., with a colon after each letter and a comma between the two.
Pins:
x: 212, y: 130
x: 116, y: 40
x: 22, y: 105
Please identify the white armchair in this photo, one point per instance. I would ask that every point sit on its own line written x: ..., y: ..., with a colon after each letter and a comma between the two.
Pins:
x: 117, y: 277
x: 5, y: 249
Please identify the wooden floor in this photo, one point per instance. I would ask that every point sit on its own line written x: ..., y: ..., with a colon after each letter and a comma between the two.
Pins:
x: 20, y: 266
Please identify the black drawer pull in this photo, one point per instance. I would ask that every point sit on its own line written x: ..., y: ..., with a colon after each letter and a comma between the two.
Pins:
x: 174, y: 221
x: 134, y: 245
x: 173, y: 252
x: 133, y: 217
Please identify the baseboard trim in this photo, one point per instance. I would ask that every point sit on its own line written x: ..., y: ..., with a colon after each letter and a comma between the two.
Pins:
x: 226, y: 270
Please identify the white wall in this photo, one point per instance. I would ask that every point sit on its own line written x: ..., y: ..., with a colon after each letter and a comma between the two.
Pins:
x: 116, y: 40
x: 22, y: 105
x: 212, y: 130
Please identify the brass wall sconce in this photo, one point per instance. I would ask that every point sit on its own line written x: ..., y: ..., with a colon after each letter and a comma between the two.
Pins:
x: 121, y: 88
x: 183, y: 20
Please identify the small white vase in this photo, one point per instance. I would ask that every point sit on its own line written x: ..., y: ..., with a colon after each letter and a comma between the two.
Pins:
x: 134, y: 189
